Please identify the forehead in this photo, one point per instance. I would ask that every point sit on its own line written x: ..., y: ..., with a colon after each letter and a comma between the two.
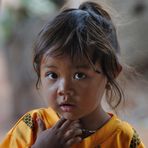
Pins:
x: 66, y: 61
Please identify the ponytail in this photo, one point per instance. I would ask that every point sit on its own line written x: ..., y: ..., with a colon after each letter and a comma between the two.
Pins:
x: 104, y: 20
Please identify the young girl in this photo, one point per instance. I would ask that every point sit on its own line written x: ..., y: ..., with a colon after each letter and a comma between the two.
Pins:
x: 75, y: 57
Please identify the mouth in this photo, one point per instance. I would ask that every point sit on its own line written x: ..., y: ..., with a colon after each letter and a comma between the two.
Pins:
x: 67, y: 107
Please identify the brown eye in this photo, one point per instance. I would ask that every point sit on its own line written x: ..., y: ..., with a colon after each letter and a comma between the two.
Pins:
x: 52, y: 75
x: 79, y: 76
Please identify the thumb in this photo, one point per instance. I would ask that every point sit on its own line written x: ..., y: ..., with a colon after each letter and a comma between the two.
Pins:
x: 41, y: 125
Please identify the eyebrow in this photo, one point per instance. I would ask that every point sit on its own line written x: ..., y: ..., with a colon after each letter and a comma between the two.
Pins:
x: 50, y: 66
x: 88, y: 67
x: 82, y: 66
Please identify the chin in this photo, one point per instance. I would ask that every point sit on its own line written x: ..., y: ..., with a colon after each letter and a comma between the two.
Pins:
x: 69, y: 116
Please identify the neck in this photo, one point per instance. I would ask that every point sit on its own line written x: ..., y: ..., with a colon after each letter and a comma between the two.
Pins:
x: 99, y: 118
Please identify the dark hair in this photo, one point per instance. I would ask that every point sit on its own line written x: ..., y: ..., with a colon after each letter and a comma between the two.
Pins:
x: 84, y: 32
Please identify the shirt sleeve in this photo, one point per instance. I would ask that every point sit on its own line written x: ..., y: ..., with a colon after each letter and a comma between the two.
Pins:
x: 21, y: 135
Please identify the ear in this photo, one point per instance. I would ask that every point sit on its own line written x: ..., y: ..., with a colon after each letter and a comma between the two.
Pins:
x: 119, y: 69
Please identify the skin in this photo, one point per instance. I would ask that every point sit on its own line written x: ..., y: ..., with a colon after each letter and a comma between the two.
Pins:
x: 67, y: 129
x: 74, y: 90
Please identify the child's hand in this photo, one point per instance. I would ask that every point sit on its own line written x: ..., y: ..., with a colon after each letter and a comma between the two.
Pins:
x: 63, y: 134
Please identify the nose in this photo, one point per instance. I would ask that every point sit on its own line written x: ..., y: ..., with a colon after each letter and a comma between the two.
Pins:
x: 65, y: 88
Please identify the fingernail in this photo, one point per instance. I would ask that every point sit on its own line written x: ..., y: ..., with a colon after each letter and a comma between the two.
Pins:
x: 79, y: 139
x: 62, y: 118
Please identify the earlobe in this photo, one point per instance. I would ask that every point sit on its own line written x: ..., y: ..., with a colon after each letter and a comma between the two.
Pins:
x: 108, y: 86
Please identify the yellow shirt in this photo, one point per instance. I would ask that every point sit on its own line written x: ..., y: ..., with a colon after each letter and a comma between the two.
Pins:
x: 114, y: 134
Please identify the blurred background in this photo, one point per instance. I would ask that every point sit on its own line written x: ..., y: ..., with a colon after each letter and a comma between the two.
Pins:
x: 21, y: 20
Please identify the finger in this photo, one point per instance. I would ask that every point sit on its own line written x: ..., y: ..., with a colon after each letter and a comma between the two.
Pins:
x: 78, y: 132
x: 75, y: 122
x: 72, y: 141
x: 59, y: 123
x: 65, y: 126
x: 72, y: 133
x: 68, y: 134
x: 41, y: 125
x: 75, y: 125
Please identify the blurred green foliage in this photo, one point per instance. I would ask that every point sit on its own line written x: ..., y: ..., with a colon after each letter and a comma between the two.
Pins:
x: 7, y: 20
x: 11, y: 16
x: 38, y: 7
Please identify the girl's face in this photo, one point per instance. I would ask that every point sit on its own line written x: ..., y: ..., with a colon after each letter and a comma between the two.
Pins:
x: 73, y: 89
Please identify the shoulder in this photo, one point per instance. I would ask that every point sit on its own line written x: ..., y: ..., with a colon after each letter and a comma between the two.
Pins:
x: 126, y: 132
x: 27, y: 121
x: 46, y: 114
x: 125, y: 128
x: 24, y: 131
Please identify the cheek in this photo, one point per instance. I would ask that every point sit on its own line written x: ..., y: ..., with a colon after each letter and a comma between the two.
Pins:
x: 93, y: 92
x: 101, y: 91
x: 87, y: 94
x: 49, y: 93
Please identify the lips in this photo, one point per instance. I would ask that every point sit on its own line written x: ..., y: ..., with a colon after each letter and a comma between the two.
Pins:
x: 67, y: 107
